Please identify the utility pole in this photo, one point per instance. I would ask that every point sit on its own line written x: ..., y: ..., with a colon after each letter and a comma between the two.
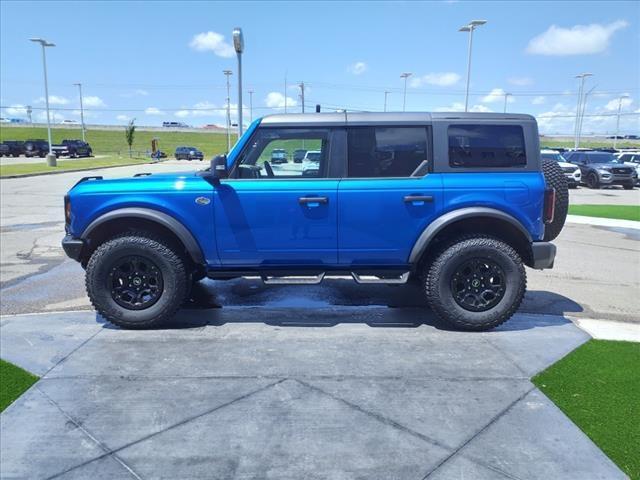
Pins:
x: 582, y: 76
x: 51, y: 158
x: 29, y: 112
x: 238, y: 45
x: 470, y: 28
x: 227, y: 74
x: 386, y: 92
x: 285, y: 92
x: 405, y: 75
x: 251, y: 106
x: 506, y: 95
x: 584, y: 107
x: 79, y: 85
x: 302, y: 95
x: 615, y: 137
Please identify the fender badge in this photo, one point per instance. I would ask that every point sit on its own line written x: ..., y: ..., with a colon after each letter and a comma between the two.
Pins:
x: 203, y: 201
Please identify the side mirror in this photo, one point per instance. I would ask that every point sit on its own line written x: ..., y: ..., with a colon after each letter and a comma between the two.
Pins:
x: 218, y: 168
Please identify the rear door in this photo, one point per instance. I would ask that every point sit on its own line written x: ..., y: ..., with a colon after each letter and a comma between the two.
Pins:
x: 283, y: 214
x: 388, y: 196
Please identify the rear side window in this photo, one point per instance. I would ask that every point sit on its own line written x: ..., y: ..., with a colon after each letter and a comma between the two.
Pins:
x: 486, y: 146
x: 387, y: 152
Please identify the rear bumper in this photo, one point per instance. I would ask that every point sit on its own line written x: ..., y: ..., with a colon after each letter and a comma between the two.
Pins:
x: 72, y: 247
x: 544, y: 254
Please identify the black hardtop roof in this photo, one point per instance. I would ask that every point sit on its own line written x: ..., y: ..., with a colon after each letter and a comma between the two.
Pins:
x: 371, y: 118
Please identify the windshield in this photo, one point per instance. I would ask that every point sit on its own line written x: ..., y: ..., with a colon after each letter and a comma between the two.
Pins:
x: 602, y: 157
x: 554, y: 156
x: 313, y: 156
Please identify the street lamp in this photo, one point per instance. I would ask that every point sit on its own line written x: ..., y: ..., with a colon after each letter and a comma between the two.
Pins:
x: 79, y: 85
x: 227, y: 73
x: 51, y: 158
x: 615, y: 137
x: 386, y: 92
x: 251, y: 106
x: 506, y: 96
x: 470, y: 28
x: 238, y: 44
x: 578, y: 125
x: 405, y: 75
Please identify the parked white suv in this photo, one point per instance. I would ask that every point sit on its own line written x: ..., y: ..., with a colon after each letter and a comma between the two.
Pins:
x: 571, y: 172
x: 631, y: 158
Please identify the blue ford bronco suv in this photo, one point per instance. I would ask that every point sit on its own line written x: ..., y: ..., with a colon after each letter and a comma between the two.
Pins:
x: 457, y: 202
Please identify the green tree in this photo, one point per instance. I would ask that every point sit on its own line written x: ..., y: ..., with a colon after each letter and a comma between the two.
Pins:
x: 129, y: 133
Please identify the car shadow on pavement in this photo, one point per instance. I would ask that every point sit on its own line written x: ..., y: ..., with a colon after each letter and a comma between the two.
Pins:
x: 394, y: 307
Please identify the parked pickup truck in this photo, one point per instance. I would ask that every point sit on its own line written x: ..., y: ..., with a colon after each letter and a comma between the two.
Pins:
x: 72, y: 148
x: 458, y: 203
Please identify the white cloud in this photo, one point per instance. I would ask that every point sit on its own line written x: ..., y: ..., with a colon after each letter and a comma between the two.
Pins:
x: 443, y: 79
x: 16, y: 109
x: 53, y: 100
x: 357, y: 68
x: 520, y: 81
x: 206, y: 108
x: 459, y: 107
x: 277, y: 100
x: 577, y: 40
x: 139, y: 92
x: 496, y: 95
x: 122, y: 118
x: 612, y: 105
x: 53, y: 116
x: 182, y: 113
x: 92, y: 101
x: 153, y: 111
x: 539, y: 100
x: 214, y: 42
x: 561, y: 120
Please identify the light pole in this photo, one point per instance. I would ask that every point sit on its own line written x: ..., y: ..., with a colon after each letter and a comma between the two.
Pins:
x: 386, y: 92
x: 227, y: 74
x: 582, y: 76
x: 506, y: 95
x: 238, y: 44
x: 79, y: 85
x: 302, y: 95
x: 251, y: 106
x: 615, y: 137
x: 405, y: 75
x: 51, y: 158
x: 470, y: 28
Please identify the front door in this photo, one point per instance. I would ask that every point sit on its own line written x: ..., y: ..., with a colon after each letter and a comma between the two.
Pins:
x: 277, y: 211
x: 388, y: 198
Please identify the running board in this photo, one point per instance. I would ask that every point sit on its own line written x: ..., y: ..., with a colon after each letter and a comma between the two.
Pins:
x: 292, y: 279
x: 376, y: 279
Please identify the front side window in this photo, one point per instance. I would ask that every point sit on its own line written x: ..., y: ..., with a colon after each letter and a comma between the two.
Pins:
x: 486, y: 146
x: 270, y: 154
x: 387, y: 152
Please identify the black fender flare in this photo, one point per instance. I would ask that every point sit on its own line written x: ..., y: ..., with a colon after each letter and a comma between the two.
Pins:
x: 429, y: 233
x: 167, y: 221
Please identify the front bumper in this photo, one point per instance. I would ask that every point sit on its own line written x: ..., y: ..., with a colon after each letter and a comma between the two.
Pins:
x: 72, y: 247
x: 573, y: 178
x: 615, y: 179
x: 543, y: 254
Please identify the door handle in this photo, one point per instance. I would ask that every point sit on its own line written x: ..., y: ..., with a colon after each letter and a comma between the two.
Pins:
x: 313, y: 201
x: 418, y: 199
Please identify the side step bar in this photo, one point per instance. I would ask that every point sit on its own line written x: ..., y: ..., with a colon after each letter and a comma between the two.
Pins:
x: 316, y: 279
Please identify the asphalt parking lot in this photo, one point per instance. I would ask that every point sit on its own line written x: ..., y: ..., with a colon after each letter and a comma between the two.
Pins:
x: 331, y: 381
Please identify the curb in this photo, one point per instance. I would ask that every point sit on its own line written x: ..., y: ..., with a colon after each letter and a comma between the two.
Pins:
x: 603, y: 222
x: 609, y: 330
x: 40, y: 174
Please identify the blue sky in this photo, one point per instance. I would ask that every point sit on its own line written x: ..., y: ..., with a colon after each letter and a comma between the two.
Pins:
x: 160, y: 61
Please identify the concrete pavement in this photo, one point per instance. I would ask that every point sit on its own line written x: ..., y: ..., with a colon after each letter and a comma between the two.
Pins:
x: 290, y: 393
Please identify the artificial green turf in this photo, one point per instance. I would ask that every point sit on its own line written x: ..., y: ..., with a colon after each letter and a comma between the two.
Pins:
x: 598, y: 387
x: 620, y: 212
x: 63, y: 165
x: 13, y: 382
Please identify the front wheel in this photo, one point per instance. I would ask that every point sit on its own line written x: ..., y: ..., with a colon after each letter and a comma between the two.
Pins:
x: 136, y: 281
x: 476, y: 283
x: 628, y: 186
x: 592, y: 181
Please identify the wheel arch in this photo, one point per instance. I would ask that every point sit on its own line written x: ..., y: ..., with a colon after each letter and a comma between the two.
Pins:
x: 136, y: 218
x: 473, y: 220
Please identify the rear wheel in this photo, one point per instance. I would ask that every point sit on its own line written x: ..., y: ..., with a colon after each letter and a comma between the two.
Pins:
x: 136, y: 281
x: 628, y: 186
x: 476, y: 283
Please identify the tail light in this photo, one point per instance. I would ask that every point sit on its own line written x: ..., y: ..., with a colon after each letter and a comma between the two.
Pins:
x: 67, y: 211
x: 549, y: 204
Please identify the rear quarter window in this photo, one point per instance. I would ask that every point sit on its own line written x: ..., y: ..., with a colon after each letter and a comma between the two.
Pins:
x: 486, y: 146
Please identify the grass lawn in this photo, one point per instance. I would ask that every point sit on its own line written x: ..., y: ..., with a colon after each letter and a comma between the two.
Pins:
x: 81, y: 164
x: 598, y: 387
x: 112, y: 141
x: 13, y: 382
x: 620, y: 212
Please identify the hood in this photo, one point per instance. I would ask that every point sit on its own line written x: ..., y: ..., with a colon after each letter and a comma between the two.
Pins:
x: 567, y: 165
x: 608, y: 165
x: 157, y: 182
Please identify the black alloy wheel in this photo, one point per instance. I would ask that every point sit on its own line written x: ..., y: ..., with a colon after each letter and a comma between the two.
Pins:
x: 478, y: 284
x: 135, y: 282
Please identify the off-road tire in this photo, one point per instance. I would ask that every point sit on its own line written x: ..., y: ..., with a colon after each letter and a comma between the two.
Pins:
x: 439, y: 274
x: 554, y: 178
x: 171, y: 265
